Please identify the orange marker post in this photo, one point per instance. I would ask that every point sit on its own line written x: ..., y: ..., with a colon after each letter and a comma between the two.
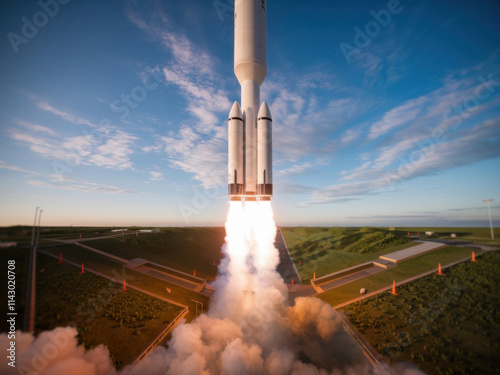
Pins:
x: 124, y: 286
x: 440, y: 272
x: 394, y: 288
x: 314, y: 275
x: 194, y: 273
x: 293, y: 283
x: 83, y: 269
x: 473, y: 256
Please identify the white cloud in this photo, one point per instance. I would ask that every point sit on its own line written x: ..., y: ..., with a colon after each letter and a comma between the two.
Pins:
x: 469, y: 146
x: 199, y: 149
x: 294, y: 170
x: 350, y: 135
x: 114, y: 152
x: 65, y: 183
x: 206, y: 158
x: 156, y: 176
x: 397, y: 117
x: 111, y: 149
x: 35, y: 127
x: 64, y: 115
x: 15, y: 168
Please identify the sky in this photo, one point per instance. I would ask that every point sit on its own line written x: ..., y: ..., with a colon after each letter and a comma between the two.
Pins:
x: 385, y: 113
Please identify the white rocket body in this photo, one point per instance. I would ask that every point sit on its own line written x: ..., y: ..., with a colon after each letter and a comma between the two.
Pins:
x: 250, y: 132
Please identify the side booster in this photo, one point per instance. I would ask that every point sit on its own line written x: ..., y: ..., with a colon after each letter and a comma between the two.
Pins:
x: 250, y: 126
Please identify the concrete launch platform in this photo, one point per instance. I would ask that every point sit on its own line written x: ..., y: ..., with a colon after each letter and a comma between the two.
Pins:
x: 411, y: 252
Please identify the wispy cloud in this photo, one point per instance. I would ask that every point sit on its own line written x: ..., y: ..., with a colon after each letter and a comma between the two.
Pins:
x: 15, y: 168
x: 156, y: 176
x: 454, y: 125
x: 199, y: 149
x: 294, y: 170
x: 74, y: 119
x: 475, y: 144
x: 397, y: 117
x: 305, y: 126
x: 35, y: 127
x: 114, y: 152
x: 65, y: 183
x: 109, y: 148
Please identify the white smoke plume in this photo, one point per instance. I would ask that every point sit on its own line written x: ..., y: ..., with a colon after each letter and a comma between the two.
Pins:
x: 249, y: 328
x: 54, y: 352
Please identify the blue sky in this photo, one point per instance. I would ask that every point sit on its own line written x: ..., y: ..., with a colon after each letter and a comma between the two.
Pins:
x: 384, y: 113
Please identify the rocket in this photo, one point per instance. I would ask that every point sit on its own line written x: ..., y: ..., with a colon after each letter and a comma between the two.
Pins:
x: 250, y: 175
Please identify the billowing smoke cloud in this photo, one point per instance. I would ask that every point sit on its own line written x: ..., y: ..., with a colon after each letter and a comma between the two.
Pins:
x: 249, y: 328
x: 55, y: 352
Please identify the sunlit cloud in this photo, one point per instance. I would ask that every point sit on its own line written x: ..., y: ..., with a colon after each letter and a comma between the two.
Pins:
x: 65, y: 183
x: 15, y: 168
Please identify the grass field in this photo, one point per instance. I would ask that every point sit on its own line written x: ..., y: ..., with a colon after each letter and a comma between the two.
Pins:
x: 403, y: 271
x: 445, y: 325
x: 118, y: 271
x: 102, y: 312
x: 459, y: 231
x: 473, y: 235
x: 184, y: 249
x: 99, y: 309
x: 327, y: 250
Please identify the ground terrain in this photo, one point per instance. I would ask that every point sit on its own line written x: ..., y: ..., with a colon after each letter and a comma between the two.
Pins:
x: 382, y: 319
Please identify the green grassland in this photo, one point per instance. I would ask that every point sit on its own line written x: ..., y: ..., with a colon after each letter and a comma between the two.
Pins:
x: 445, y: 325
x: 327, y: 250
x: 116, y: 270
x: 403, y: 271
x: 459, y: 231
x: 99, y: 309
x: 473, y: 235
x: 184, y: 249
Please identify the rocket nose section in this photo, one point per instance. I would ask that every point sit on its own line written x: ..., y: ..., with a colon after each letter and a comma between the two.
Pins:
x: 264, y: 112
x: 235, y: 111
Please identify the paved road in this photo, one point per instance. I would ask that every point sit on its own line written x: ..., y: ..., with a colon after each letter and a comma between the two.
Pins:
x: 411, y: 252
x: 351, y: 277
x: 165, y: 276
x: 286, y: 268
